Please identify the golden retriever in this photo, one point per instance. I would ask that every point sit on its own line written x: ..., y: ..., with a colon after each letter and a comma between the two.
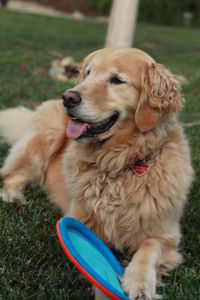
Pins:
x: 85, y: 154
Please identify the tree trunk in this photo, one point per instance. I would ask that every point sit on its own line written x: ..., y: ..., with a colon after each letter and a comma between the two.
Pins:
x: 122, y: 23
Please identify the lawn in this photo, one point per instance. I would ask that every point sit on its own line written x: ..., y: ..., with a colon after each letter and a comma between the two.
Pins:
x: 32, y: 264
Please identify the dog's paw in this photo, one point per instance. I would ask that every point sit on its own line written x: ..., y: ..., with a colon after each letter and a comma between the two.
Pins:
x: 139, y: 287
x: 12, y: 196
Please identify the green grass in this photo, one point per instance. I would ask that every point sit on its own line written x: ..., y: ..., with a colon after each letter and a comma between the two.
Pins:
x: 32, y: 264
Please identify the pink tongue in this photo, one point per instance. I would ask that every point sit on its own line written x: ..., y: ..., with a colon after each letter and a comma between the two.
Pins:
x: 75, y: 129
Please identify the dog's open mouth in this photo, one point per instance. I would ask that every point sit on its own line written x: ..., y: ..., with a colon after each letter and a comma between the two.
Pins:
x: 77, y: 128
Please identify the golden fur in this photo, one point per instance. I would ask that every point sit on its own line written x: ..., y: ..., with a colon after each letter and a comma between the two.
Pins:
x: 94, y: 181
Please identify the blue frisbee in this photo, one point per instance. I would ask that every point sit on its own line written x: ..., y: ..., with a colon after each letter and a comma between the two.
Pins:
x: 91, y: 257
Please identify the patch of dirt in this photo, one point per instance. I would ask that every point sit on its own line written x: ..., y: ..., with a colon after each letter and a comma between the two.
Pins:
x: 70, y: 6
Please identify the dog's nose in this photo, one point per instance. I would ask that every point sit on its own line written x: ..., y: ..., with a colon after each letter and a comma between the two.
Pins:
x: 71, y: 99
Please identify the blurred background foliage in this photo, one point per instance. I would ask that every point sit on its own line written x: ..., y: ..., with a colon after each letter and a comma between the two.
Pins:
x: 167, y: 12
x: 162, y: 12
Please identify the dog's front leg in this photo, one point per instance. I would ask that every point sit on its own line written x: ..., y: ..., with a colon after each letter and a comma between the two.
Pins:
x: 24, y: 165
x: 140, y: 275
x: 79, y: 211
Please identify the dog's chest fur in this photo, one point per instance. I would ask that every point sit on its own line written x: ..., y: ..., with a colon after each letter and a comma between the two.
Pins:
x: 122, y: 211
x: 121, y: 208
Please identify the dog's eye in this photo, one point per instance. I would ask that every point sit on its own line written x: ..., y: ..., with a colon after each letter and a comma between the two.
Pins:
x: 116, y: 80
x: 87, y: 72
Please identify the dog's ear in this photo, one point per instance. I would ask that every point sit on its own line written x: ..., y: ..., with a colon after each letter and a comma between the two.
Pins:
x: 159, y: 96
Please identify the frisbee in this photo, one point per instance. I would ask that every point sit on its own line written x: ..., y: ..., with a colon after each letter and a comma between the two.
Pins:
x: 91, y: 257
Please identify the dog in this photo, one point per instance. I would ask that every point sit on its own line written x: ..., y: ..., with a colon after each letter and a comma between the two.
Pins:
x: 113, y: 155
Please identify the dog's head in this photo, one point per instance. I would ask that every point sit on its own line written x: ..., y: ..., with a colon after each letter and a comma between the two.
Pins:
x: 119, y: 91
